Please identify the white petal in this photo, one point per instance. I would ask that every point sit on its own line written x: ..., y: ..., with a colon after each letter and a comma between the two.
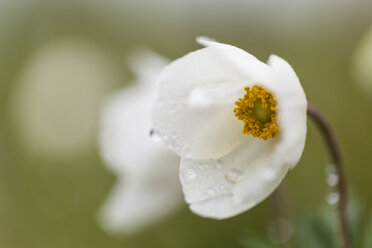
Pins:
x: 147, y: 187
x: 208, y: 131
x: 146, y: 65
x: 260, y: 179
x: 133, y: 205
x: 125, y: 132
x: 220, y: 207
x: 204, y: 181
x: 196, y: 97
x: 263, y: 175
x: 126, y: 119
x: 292, y: 114
x: 245, y: 64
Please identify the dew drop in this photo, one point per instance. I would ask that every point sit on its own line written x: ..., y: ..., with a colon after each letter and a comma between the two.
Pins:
x: 155, y: 138
x: 269, y: 174
x: 198, y: 99
x: 210, y: 192
x: 199, y: 187
x: 233, y: 175
x: 332, y: 180
x: 330, y: 169
x: 188, y: 174
x: 333, y: 198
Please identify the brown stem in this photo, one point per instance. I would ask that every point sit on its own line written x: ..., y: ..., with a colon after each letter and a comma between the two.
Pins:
x: 334, y: 148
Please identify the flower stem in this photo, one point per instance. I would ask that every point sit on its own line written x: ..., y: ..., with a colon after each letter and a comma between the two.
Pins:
x: 281, y: 211
x: 335, y: 152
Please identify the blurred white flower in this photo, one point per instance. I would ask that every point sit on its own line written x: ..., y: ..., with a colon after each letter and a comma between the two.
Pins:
x: 56, y: 99
x: 207, y: 103
x: 362, y: 63
x: 147, y: 188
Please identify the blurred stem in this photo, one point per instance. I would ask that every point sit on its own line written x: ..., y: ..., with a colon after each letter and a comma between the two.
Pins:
x: 281, y: 210
x: 279, y: 202
x: 336, y: 159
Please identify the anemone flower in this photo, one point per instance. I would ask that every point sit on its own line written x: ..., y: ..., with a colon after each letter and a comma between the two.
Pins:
x: 238, y: 124
x: 147, y: 188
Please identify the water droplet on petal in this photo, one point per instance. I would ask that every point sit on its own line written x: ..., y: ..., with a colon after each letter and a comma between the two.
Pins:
x: 269, y: 174
x: 210, y: 192
x: 199, y: 99
x: 155, y: 138
x: 233, y: 175
x: 188, y: 174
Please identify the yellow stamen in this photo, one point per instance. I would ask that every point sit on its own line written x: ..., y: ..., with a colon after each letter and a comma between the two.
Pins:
x: 258, y: 111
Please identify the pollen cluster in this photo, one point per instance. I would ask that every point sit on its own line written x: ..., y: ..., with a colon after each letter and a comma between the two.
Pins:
x: 258, y: 111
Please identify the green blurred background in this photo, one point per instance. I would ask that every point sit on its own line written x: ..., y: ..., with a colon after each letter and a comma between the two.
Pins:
x: 52, y: 180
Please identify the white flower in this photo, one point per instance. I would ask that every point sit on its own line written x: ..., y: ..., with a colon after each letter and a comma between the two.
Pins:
x: 200, y: 113
x: 56, y: 98
x: 147, y: 188
x: 362, y: 63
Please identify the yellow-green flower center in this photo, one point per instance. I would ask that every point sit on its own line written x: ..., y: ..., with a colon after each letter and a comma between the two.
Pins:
x: 257, y: 109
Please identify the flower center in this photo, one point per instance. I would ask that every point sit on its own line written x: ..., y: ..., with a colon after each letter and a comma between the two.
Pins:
x: 258, y: 111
